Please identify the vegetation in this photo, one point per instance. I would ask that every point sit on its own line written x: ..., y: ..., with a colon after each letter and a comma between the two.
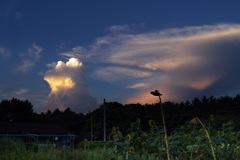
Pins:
x: 118, y: 115
x: 12, y: 149
x: 205, y: 128
x: 189, y: 141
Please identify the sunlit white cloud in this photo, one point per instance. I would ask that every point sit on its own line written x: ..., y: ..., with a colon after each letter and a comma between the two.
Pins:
x: 68, y: 87
x: 59, y: 83
x: 180, y: 62
x: 30, y: 58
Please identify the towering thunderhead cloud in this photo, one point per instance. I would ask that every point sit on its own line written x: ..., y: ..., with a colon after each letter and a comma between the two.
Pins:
x: 68, y: 87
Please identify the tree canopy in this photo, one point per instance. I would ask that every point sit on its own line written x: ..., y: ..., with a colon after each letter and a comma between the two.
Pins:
x: 121, y: 116
x: 16, y: 110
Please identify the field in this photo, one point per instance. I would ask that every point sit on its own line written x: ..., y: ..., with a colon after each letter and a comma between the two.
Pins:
x: 193, y: 140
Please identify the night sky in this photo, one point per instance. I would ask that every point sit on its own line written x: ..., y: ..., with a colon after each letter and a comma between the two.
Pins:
x: 61, y: 53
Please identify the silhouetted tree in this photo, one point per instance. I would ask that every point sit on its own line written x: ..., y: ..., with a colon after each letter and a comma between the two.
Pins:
x: 118, y: 115
x: 16, y: 110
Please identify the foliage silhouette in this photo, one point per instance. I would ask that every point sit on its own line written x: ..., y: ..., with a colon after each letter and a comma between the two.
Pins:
x: 119, y: 115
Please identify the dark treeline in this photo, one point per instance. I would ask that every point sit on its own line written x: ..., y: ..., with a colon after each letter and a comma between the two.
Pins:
x: 118, y: 115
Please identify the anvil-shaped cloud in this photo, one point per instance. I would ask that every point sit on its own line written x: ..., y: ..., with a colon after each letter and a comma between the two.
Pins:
x: 180, y: 62
x: 68, y: 88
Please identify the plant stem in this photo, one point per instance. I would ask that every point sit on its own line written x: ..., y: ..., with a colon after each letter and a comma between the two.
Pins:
x: 209, y: 139
x: 165, y: 130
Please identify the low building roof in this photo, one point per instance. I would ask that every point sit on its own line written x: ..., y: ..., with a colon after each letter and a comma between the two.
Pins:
x: 32, y: 128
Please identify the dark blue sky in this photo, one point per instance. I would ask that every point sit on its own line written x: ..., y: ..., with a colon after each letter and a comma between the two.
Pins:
x: 126, y: 48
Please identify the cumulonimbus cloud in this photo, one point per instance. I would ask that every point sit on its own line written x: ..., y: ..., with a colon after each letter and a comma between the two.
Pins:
x: 180, y: 62
x: 68, y: 87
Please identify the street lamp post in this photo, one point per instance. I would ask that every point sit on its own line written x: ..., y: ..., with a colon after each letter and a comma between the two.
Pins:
x: 156, y: 93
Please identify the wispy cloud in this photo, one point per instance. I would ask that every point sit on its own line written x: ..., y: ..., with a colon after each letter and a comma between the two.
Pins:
x: 113, y: 73
x: 4, y: 52
x: 34, y: 51
x: 180, y: 62
x: 68, y: 87
x: 19, y: 16
x: 30, y: 58
x: 76, y: 51
x: 21, y: 91
x: 35, y: 96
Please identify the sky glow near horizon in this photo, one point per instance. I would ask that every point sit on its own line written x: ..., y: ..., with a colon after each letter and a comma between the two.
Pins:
x: 75, y: 59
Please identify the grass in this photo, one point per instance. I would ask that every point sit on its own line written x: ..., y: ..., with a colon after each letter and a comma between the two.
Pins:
x: 193, y: 141
x: 13, y: 149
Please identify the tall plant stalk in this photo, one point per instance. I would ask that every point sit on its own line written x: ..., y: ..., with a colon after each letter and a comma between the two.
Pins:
x: 165, y: 130
x: 209, y: 139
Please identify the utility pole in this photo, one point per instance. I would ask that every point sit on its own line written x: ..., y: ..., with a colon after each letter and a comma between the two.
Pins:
x: 104, y: 121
